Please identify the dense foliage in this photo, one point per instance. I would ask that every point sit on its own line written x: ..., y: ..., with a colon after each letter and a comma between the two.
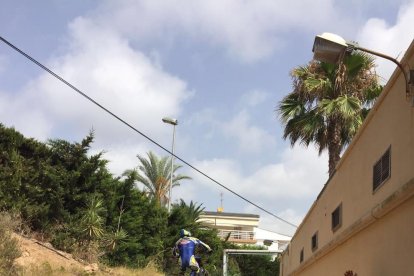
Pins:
x: 258, y: 265
x: 68, y: 195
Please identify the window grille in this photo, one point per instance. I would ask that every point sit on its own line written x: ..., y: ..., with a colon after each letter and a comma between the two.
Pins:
x: 301, y: 255
x: 314, y: 241
x: 337, y: 218
x: 382, y: 169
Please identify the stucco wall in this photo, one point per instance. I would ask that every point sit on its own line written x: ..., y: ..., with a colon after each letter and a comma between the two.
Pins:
x: 383, y: 248
x: 362, y: 242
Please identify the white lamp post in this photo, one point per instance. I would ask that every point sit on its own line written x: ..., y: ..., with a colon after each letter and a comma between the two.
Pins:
x: 172, y: 122
x: 331, y: 48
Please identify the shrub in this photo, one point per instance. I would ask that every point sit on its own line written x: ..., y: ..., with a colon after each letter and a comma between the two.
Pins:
x: 9, y: 248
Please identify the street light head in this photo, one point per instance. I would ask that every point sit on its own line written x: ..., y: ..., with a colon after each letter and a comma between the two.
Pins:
x: 170, y: 121
x: 329, y: 47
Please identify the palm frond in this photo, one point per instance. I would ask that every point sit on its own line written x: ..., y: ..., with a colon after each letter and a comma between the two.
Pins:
x: 290, y: 107
x: 155, y: 174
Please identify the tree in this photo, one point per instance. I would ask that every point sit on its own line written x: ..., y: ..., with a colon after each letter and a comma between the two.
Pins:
x: 329, y: 103
x: 143, y: 219
x: 155, y: 175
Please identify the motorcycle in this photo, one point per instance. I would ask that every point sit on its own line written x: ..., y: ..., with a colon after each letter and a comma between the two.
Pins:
x: 202, y: 271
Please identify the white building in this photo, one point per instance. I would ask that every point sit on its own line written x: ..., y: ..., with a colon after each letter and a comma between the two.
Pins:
x: 242, y: 228
x: 273, y: 240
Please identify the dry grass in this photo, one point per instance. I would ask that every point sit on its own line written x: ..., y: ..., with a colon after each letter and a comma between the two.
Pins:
x: 46, y: 269
x: 149, y: 271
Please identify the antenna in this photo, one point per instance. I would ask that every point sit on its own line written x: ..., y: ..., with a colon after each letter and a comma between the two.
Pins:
x: 221, y: 208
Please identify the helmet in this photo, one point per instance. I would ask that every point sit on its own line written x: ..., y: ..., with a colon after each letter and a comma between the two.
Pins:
x: 184, y: 233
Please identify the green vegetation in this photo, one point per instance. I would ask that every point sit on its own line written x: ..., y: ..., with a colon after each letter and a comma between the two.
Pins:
x: 9, y: 249
x: 259, y: 265
x: 68, y: 196
x: 329, y: 103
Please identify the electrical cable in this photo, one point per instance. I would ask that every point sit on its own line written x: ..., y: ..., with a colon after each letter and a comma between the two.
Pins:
x: 137, y: 131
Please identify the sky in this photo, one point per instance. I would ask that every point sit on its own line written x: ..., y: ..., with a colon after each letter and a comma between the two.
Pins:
x: 220, y: 67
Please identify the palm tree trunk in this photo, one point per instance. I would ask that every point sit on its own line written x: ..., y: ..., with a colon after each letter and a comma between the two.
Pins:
x: 334, y: 145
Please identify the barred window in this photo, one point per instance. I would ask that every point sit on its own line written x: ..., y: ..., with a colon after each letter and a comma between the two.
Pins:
x: 382, y: 169
x: 314, y: 241
x: 301, y: 255
x: 337, y: 218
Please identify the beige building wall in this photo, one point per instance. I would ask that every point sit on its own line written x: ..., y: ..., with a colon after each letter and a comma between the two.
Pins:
x: 376, y: 236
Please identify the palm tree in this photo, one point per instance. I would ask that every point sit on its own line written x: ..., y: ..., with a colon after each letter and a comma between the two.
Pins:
x: 192, y: 213
x: 184, y: 216
x: 155, y: 174
x: 329, y: 103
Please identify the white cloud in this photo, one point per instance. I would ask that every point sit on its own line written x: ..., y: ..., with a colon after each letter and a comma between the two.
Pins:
x: 124, y: 80
x: 249, y: 30
x: 186, y: 191
x: 104, y: 66
x: 391, y: 40
x: 289, y: 185
x: 240, y: 129
x: 254, y: 98
x: 271, y: 223
x: 250, y: 138
x: 120, y: 155
x: 21, y: 112
x: 300, y: 174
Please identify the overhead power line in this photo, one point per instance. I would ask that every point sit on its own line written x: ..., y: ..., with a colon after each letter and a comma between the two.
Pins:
x: 138, y: 131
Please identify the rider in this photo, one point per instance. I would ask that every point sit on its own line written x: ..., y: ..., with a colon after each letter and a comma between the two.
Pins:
x: 185, y: 248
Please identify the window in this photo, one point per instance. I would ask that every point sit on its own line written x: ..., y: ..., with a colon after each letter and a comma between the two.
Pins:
x: 301, y: 255
x: 337, y: 218
x: 314, y: 241
x: 382, y: 169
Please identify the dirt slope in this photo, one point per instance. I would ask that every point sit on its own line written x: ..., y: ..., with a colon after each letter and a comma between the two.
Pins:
x: 35, y: 253
x: 42, y: 259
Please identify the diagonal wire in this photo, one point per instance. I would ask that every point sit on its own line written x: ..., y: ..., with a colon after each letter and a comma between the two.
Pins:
x: 138, y: 131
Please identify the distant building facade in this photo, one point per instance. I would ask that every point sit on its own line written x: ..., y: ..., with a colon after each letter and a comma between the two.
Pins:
x: 363, y: 219
x: 243, y: 229
x: 239, y: 227
x: 270, y: 239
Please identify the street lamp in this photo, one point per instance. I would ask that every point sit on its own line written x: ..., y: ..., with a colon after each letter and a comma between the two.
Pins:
x: 172, y: 122
x: 332, y: 48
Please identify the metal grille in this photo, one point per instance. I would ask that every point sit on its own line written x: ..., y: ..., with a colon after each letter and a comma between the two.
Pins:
x: 337, y: 218
x: 382, y: 169
x: 315, y: 241
x: 301, y: 255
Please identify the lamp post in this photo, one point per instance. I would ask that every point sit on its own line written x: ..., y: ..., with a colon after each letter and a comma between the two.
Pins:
x: 331, y: 48
x: 172, y: 122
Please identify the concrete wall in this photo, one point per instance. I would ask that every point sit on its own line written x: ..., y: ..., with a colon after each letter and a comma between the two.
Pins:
x: 376, y: 235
